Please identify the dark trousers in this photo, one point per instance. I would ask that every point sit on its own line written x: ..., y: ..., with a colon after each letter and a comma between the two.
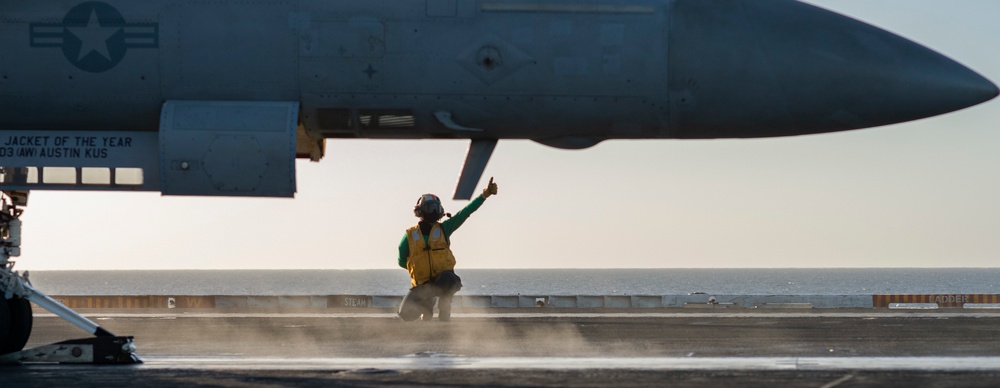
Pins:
x: 419, y: 302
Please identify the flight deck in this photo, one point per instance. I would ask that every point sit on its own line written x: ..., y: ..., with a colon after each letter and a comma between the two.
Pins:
x: 912, y: 343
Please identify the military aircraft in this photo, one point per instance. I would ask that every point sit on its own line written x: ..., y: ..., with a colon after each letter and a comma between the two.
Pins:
x: 218, y: 98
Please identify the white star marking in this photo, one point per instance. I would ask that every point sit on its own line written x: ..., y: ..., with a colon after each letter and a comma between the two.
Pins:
x: 94, y: 37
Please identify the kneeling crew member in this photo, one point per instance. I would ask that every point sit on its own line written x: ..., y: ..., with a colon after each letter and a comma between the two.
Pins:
x: 426, y: 253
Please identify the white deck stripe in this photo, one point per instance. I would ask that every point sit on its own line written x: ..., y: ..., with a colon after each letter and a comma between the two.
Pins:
x: 762, y: 314
x: 573, y: 363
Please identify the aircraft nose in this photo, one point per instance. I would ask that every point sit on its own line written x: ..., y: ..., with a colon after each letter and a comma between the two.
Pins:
x: 778, y: 68
x: 981, y: 89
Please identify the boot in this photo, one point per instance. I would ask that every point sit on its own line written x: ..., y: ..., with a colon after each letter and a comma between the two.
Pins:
x: 428, y: 308
x: 444, y: 308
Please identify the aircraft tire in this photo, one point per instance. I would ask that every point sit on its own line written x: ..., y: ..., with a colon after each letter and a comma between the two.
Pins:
x: 19, y: 328
x: 4, y: 324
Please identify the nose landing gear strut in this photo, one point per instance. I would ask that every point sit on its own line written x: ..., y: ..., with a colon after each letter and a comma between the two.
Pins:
x: 15, y: 310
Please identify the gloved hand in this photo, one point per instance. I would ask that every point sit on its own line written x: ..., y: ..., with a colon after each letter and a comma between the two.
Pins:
x: 490, y: 189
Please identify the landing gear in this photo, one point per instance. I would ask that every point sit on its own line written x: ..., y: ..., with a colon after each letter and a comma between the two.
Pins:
x: 15, y: 312
x: 19, y: 327
x: 4, y: 322
x: 15, y: 324
x: 17, y: 294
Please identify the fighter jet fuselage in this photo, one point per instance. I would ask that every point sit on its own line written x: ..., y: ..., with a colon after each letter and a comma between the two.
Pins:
x: 565, y: 73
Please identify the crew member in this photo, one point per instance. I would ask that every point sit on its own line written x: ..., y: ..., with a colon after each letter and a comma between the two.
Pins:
x: 426, y: 253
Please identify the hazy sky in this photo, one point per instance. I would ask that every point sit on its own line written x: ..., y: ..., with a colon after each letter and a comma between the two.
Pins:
x: 920, y: 194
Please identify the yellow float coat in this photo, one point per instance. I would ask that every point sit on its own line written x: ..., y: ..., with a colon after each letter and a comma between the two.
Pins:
x: 427, y: 260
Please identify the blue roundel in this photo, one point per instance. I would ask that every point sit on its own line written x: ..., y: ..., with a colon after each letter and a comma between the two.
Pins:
x: 94, y: 38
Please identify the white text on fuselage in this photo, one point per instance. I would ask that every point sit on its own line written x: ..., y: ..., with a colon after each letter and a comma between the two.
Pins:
x: 58, y: 147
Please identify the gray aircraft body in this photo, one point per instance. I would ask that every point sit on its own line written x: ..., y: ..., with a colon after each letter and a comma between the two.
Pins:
x: 224, y: 81
x: 218, y: 97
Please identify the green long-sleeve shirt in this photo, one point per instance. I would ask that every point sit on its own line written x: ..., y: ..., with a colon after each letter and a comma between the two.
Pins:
x: 449, y: 226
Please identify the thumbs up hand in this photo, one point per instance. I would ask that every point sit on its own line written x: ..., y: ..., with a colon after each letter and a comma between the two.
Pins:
x: 490, y: 189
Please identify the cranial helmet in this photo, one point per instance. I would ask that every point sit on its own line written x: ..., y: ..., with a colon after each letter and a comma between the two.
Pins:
x: 429, y: 208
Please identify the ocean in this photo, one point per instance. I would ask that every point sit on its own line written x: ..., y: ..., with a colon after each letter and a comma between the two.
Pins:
x: 759, y: 281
